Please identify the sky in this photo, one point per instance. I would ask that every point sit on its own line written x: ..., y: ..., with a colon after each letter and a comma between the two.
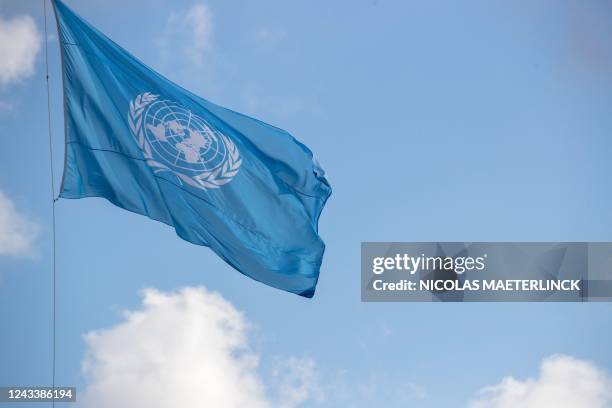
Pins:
x: 435, y: 121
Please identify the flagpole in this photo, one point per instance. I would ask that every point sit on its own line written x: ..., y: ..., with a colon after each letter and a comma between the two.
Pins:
x: 53, y: 201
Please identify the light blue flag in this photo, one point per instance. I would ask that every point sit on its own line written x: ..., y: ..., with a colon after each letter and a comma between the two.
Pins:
x: 246, y: 189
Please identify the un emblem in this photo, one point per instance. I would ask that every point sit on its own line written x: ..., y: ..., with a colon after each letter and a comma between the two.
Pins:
x: 176, y: 140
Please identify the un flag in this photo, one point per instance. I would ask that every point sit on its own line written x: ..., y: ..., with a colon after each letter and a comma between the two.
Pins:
x: 246, y: 189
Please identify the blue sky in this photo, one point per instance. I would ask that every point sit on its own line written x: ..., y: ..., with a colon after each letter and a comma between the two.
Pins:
x: 435, y: 121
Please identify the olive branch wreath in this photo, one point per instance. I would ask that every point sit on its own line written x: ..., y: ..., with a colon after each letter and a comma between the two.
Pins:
x: 206, y: 180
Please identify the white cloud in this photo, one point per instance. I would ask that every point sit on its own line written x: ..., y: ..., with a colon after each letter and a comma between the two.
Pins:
x: 296, y: 381
x: 191, y: 349
x: 563, y: 382
x: 188, y: 34
x: 184, y: 349
x: 17, y: 233
x: 19, y: 45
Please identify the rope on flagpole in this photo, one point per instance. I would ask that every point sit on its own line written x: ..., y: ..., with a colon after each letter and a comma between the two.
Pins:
x: 53, y: 201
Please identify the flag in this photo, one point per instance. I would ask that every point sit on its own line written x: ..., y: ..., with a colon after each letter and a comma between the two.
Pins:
x: 244, y: 188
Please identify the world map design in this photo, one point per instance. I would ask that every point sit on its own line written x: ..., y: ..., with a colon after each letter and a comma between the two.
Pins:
x: 175, y: 139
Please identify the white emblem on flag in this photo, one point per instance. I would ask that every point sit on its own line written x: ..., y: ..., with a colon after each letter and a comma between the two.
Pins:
x: 174, y: 139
